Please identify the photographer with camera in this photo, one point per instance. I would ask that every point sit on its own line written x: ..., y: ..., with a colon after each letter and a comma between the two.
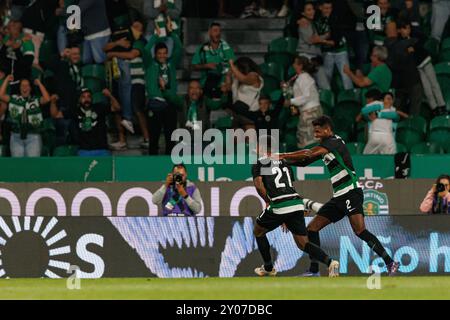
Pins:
x: 178, y: 196
x: 437, y: 199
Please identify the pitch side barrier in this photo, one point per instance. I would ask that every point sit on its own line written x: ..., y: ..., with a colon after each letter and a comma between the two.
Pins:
x: 143, y: 169
x: 179, y: 247
x: 228, y: 199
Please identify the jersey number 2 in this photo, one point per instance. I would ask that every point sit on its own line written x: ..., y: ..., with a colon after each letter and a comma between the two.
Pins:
x: 279, y: 173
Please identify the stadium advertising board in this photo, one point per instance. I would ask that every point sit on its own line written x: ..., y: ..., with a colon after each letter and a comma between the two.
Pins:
x: 95, y: 247
x: 219, y: 198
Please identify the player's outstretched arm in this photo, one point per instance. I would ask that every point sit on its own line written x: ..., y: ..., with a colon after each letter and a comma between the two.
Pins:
x: 304, y: 158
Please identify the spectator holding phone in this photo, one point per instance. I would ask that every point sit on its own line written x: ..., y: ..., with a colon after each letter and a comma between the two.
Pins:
x: 437, y: 199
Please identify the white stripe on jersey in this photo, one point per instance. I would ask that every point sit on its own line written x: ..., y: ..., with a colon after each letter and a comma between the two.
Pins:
x: 285, y: 210
x: 344, y: 191
x: 339, y: 176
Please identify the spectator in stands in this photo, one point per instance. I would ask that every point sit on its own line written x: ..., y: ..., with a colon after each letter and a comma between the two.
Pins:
x: 406, y: 77
x: 306, y: 99
x: 388, y: 17
x: 17, y: 8
x: 352, y: 15
x: 439, y: 18
x: 425, y: 67
x: 256, y: 9
x: 380, y: 113
x: 310, y: 43
x: 160, y: 15
x: 380, y: 76
x: 91, y: 124
x: 25, y: 116
x: 67, y: 84
x: 437, y: 199
x: 178, y: 196
x: 96, y: 30
x: 193, y: 114
x: 161, y: 86
x: 410, y: 12
x: 17, y: 53
x: 212, y: 59
x: 34, y: 19
x: 333, y: 43
x: 247, y: 83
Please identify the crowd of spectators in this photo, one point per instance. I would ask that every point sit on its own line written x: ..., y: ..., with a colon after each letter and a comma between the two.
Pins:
x: 63, y: 87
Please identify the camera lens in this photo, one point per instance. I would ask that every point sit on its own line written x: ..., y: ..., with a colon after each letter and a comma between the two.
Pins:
x: 440, y: 187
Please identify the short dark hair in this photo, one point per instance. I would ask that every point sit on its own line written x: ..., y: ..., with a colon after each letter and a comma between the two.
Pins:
x: 403, y: 23
x: 388, y: 94
x: 443, y: 176
x: 179, y: 165
x: 374, y: 94
x: 323, y: 121
x: 159, y: 46
x: 264, y: 96
x: 215, y: 24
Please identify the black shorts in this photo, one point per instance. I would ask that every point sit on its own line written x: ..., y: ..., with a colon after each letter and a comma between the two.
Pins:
x: 348, y: 204
x: 294, y: 221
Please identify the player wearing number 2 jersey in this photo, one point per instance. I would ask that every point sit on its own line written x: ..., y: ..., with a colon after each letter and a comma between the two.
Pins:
x: 347, y: 197
x: 273, y: 180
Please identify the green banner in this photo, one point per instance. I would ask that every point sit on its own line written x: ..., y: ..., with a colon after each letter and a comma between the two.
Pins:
x: 56, y: 169
x: 142, y: 169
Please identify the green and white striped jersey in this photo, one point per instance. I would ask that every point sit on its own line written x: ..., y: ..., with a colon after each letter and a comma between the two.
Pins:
x: 277, y: 177
x: 340, y: 166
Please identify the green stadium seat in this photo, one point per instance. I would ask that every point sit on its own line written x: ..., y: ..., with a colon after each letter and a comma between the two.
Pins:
x: 361, y: 132
x: 284, y: 59
x: 411, y: 131
x: 432, y: 46
x: 65, y: 151
x: 122, y: 22
x: 224, y: 123
x: 345, y: 135
x: 286, y: 44
x: 96, y: 71
x: 349, y: 96
x: 99, y: 98
x: 271, y: 84
x: 273, y: 69
x: 444, y: 55
x: 401, y: 148
x: 48, y: 51
x: 440, y: 131
x: 276, y: 95
x: 355, y: 147
x: 443, y: 75
x: 94, y: 84
x: 427, y: 148
x: 327, y: 101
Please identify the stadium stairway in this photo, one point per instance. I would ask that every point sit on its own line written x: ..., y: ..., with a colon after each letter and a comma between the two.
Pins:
x: 248, y: 37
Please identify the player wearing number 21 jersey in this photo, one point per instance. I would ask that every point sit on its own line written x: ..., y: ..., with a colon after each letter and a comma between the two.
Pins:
x: 273, y: 180
x: 347, y: 197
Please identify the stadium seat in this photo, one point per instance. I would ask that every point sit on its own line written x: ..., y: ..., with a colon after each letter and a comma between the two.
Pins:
x: 224, y: 123
x: 444, y: 55
x: 121, y: 22
x: 65, y: 151
x: 443, y: 76
x: 440, y: 130
x: 361, y: 132
x: 275, y: 96
x: 432, y: 46
x: 355, y: 148
x: 94, y: 84
x: 47, y: 51
x: 327, y: 101
x: 94, y: 71
x: 285, y: 44
x: 411, y: 131
x: 271, y: 84
x: 401, y: 148
x: 343, y: 134
x: 284, y: 59
x: 99, y: 98
x: 427, y: 148
x: 349, y: 96
x: 273, y: 69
